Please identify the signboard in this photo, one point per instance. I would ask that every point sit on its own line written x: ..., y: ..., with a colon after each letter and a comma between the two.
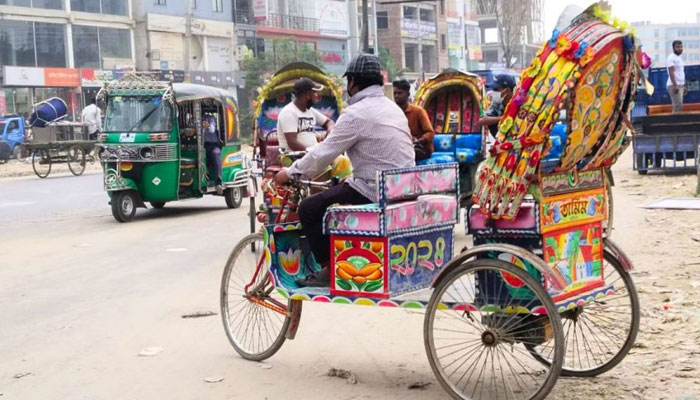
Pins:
x: 96, y: 77
x: 197, y: 77
x: 3, y: 103
x: 455, y: 37
x: 167, y: 23
x: 167, y: 47
x: 171, y: 75
x: 473, y: 37
x: 23, y: 76
x: 410, y: 27
x: 333, y: 18
x: 567, y: 210
x: 259, y: 10
x: 61, y: 77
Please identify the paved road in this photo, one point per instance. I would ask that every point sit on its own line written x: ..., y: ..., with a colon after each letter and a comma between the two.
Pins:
x: 81, y: 295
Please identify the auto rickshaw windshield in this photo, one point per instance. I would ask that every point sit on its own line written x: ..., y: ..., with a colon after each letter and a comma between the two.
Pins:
x: 138, y: 114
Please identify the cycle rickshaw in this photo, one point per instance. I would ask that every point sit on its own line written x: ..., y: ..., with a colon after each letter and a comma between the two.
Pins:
x: 541, y: 294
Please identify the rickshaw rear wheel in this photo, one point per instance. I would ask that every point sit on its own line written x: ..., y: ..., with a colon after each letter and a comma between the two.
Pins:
x: 124, y: 205
x: 601, y: 333
x: 476, y: 328
x: 157, y: 204
x: 41, y: 163
x: 234, y: 197
x: 76, y: 160
x: 255, y: 319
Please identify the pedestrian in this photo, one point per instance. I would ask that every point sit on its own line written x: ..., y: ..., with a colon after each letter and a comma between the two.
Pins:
x: 676, y: 76
x: 212, y: 145
x: 92, y: 117
x: 418, y: 122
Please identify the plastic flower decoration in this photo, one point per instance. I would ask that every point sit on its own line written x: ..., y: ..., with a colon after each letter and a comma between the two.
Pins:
x: 581, y: 51
x: 563, y: 44
x: 553, y: 40
x: 534, y: 68
x: 506, y: 124
x: 587, y: 57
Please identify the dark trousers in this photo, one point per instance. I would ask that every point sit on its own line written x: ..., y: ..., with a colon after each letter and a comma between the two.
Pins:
x: 422, y: 151
x: 214, y: 160
x: 312, y: 209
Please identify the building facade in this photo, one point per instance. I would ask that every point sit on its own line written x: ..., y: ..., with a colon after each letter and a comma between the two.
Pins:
x: 529, y: 21
x: 49, y: 48
x: 162, y: 34
x: 415, y: 35
x: 657, y: 39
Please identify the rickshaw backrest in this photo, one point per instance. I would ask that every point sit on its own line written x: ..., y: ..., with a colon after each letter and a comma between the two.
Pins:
x: 408, y: 183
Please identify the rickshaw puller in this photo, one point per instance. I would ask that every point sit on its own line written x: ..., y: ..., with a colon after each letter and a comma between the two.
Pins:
x: 374, y: 133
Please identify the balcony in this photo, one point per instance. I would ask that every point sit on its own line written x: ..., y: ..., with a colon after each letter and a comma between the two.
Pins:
x: 291, y: 22
x: 244, y: 17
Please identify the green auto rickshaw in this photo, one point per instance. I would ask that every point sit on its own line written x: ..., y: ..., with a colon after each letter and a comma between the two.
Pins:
x: 152, y: 147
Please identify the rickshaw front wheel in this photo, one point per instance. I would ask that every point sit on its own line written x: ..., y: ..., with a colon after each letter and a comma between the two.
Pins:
x: 254, y: 314
x: 234, y: 197
x: 124, y: 205
x: 480, y: 319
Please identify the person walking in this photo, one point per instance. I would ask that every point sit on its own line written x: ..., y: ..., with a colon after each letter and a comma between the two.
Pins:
x: 676, y: 76
x: 92, y: 117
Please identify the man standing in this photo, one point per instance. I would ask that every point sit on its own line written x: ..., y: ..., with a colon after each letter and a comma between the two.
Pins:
x: 502, y: 86
x: 296, y: 121
x: 676, y: 76
x: 373, y: 131
x: 418, y: 122
x: 92, y: 117
x: 212, y: 145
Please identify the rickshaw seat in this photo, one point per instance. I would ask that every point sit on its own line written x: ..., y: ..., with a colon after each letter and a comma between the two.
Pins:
x: 525, y: 222
x: 463, y: 148
x: 410, y: 199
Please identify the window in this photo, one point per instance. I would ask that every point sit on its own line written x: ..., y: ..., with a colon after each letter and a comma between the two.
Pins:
x: 50, y: 44
x: 382, y: 20
x: 32, y: 44
x: 409, y: 12
x: 427, y: 15
x: 110, y: 7
x: 217, y: 5
x: 443, y: 42
x: 17, y: 43
x: 656, y: 33
x: 91, y: 45
x: 52, y: 4
x: 159, y: 2
x: 442, y: 7
x: 411, y: 56
x: 656, y: 45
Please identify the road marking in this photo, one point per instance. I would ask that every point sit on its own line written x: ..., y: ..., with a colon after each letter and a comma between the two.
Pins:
x: 17, y: 203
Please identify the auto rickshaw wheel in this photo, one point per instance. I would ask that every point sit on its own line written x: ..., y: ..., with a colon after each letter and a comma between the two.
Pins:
x: 478, y: 322
x: 158, y: 204
x: 255, y: 315
x: 124, y: 205
x: 234, y: 197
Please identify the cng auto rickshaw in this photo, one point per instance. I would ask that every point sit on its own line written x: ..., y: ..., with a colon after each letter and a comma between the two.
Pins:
x: 152, y: 146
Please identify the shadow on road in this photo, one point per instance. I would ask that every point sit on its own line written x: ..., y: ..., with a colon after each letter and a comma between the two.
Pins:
x: 175, y: 211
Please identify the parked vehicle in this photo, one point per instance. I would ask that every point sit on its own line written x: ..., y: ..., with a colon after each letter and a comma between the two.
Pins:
x: 13, y: 133
x: 152, y: 149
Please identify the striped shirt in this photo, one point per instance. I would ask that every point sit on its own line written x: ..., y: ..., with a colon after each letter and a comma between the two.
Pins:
x: 374, y: 133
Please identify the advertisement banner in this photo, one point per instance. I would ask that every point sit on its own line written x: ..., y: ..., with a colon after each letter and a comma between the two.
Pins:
x: 259, y: 10
x: 3, y: 103
x: 410, y: 27
x: 23, y: 76
x: 455, y: 36
x: 61, y: 77
x: 333, y: 18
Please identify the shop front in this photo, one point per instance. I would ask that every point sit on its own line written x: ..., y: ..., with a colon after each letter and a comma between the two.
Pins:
x: 22, y: 87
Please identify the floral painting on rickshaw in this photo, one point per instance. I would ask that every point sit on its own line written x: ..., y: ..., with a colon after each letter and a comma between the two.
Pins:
x: 359, y: 266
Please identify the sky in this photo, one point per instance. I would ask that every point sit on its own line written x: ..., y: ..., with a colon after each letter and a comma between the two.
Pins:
x: 656, y: 11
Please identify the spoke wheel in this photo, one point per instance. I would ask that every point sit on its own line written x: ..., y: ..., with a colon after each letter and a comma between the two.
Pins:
x: 76, y: 160
x: 252, y: 319
x: 601, y: 333
x: 475, y: 337
x: 41, y: 163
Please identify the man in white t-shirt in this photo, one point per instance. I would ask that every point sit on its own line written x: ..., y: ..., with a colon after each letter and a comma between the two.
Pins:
x: 296, y: 121
x: 676, y: 76
x: 92, y: 117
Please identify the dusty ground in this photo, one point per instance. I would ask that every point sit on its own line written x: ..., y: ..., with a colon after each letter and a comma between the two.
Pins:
x: 16, y: 168
x: 81, y: 296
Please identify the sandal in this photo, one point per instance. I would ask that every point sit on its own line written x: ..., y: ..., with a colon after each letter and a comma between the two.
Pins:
x: 320, y: 278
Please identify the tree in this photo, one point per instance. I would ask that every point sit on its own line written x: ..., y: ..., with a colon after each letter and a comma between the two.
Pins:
x: 389, y: 64
x: 512, y: 17
x: 278, y: 53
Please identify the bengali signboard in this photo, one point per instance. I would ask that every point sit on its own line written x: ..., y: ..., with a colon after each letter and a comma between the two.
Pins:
x: 411, y: 28
x: 259, y: 10
x: 333, y: 18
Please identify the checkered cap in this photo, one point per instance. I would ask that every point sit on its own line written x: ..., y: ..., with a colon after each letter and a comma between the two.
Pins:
x: 364, y: 65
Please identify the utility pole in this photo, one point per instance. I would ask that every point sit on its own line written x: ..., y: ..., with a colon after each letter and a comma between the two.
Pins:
x: 365, y: 27
x: 188, y: 37
x: 420, y: 45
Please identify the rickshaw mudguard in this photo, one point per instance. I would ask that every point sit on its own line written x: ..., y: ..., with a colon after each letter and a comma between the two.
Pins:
x: 537, y: 262
x: 617, y: 252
